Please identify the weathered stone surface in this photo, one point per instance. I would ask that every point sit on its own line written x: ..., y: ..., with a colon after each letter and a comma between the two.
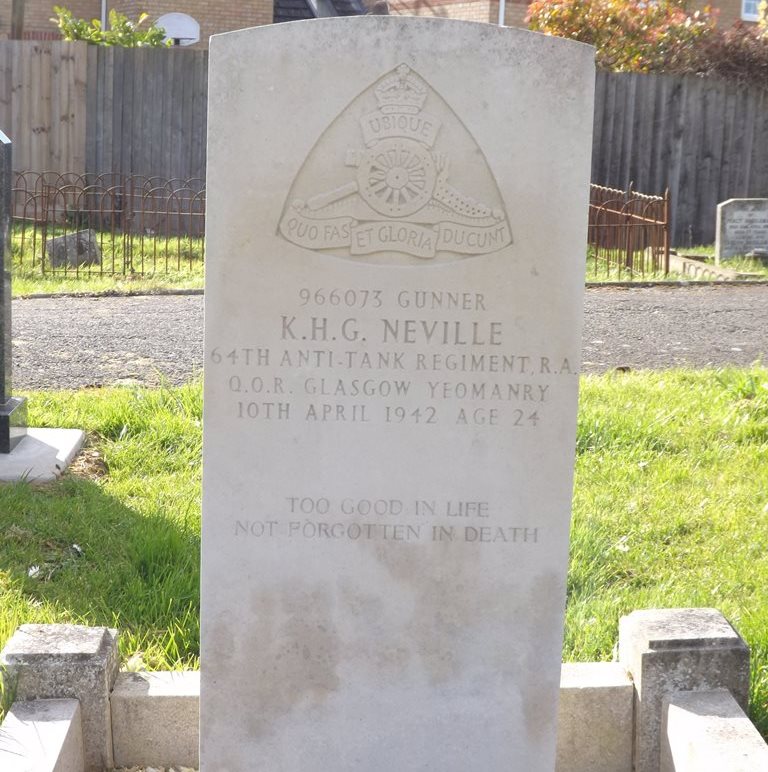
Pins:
x: 154, y: 769
x: 392, y: 338
x: 709, y: 732
x: 49, y: 661
x: 742, y: 227
x: 13, y: 410
x: 42, y: 736
x: 42, y: 455
x: 671, y: 650
x: 594, y: 729
x: 155, y: 719
x: 73, y: 250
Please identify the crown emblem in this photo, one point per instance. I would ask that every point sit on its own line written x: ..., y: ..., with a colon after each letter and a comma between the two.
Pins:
x: 401, y: 92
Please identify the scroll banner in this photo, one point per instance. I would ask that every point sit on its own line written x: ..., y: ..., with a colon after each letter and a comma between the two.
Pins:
x: 364, y: 238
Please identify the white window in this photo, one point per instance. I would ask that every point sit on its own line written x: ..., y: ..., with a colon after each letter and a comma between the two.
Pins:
x: 182, y: 29
x: 749, y: 10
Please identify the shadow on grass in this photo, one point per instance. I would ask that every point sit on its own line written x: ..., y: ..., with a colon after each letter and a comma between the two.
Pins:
x: 69, y: 552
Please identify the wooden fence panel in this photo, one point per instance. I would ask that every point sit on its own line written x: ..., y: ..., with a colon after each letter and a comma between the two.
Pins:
x: 150, y: 116
x: 43, y: 103
x: 760, y: 164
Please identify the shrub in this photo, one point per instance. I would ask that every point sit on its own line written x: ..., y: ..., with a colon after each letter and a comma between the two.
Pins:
x: 630, y: 35
x: 643, y: 36
x: 122, y: 31
x: 739, y: 54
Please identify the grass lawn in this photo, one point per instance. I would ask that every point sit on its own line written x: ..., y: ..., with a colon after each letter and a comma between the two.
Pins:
x: 670, y: 509
x: 129, y: 264
x: 598, y: 273
x: 106, y: 283
x: 738, y: 263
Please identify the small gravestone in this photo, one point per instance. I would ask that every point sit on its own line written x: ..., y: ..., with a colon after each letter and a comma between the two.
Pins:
x: 13, y: 410
x: 73, y: 250
x: 393, y: 325
x: 742, y: 227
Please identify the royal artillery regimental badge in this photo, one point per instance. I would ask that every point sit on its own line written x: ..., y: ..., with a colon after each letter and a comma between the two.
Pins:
x: 390, y: 181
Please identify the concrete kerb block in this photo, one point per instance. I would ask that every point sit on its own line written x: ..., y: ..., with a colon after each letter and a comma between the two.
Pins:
x: 709, y: 732
x: 42, y: 736
x: 594, y: 725
x: 41, y: 456
x: 68, y: 661
x: 672, y: 650
x: 155, y: 719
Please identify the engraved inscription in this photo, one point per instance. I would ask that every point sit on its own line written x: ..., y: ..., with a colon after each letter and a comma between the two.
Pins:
x: 351, y: 519
x: 375, y: 357
x: 392, y: 198
x: 747, y: 229
x: 383, y: 358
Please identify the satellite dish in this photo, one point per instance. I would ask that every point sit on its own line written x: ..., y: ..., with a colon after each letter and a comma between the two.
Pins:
x: 180, y: 29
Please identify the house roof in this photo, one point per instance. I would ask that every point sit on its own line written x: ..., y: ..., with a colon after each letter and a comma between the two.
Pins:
x: 291, y: 10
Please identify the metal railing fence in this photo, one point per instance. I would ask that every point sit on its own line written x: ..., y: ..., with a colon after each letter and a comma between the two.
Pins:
x: 107, y: 224
x: 628, y: 233
x: 114, y: 224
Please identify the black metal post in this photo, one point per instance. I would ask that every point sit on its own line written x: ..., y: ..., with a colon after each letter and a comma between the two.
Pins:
x: 13, y: 410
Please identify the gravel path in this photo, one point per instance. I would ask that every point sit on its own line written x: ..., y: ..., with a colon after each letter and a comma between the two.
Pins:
x: 68, y: 342
x: 674, y: 326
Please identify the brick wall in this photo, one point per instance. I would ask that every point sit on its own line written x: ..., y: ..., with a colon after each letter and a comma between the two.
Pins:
x: 464, y: 10
x: 38, y: 12
x: 730, y: 11
x: 514, y: 12
x: 213, y: 17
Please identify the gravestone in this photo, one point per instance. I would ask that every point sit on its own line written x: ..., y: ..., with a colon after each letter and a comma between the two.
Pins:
x: 13, y: 411
x: 73, y: 250
x: 742, y: 227
x: 393, y: 320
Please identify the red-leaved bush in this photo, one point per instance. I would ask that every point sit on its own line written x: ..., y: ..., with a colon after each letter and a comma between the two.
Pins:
x: 660, y: 36
x: 740, y: 54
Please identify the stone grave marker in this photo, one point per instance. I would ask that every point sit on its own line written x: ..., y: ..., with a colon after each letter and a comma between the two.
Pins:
x: 13, y: 410
x: 393, y: 320
x: 73, y: 250
x: 742, y: 227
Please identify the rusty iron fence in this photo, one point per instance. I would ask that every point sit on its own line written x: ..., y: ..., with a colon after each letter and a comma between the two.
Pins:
x: 628, y: 233
x: 130, y: 225
x: 83, y: 224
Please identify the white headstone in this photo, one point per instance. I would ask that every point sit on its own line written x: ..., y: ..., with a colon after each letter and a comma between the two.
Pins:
x: 396, y: 225
x: 742, y: 226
